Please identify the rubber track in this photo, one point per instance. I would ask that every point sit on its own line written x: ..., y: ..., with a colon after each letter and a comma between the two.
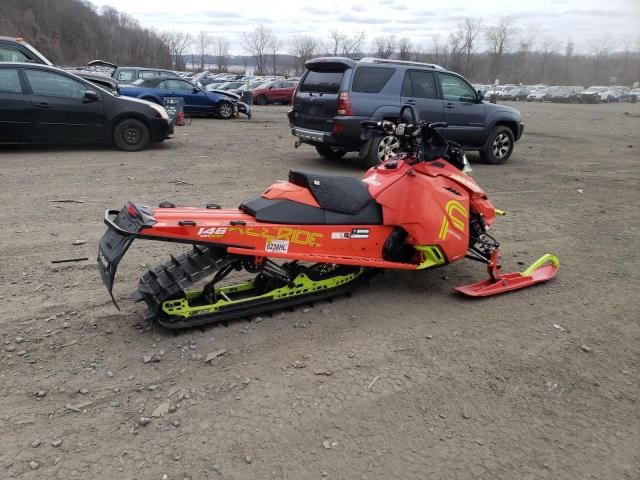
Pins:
x: 170, y: 279
x: 265, y: 306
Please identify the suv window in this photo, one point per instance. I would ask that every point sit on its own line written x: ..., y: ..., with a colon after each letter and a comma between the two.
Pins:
x: 149, y: 74
x: 419, y: 84
x: 9, y: 53
x: 126, y: 75
x: 176, y: 85
x: 371, y: 79
x: 322, y: 82
x: 51, y: 84
x: 455, y: 89
x: 9, y: 80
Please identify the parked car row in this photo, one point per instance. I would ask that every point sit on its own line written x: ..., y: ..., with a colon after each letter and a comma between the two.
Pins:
x: 567, y: 94
x: 264, y: 89
x: 105, y: 103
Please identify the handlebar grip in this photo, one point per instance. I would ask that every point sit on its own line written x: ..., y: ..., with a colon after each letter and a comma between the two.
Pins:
x: 370, y: 124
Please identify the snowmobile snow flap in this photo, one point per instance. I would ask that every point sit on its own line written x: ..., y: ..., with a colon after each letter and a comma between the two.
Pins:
x: 118, y: 238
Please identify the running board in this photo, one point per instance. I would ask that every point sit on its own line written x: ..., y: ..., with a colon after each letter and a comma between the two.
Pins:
x: 258, y: 305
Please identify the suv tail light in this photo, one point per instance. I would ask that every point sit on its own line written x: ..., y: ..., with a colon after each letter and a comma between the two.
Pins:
x: 344, y: 104
x: 293, y: 100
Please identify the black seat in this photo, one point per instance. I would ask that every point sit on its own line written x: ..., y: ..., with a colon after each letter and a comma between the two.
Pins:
x: 342, y: 200
x: 332, y: 192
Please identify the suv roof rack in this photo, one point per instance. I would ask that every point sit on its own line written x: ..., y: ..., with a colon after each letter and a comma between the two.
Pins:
x: 400, y: 62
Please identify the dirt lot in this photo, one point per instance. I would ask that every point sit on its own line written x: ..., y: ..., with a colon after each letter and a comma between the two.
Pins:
x: 465, y: 389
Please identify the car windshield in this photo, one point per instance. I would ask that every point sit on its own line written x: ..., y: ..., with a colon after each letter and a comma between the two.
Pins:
x: 564, y: 90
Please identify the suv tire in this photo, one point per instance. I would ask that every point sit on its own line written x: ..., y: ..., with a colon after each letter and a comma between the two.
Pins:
x: 381, y: 149
x: 500, y: 144
x: 330, y: 153
x: 131, y: 135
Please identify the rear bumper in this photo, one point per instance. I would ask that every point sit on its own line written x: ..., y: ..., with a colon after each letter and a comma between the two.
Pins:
x: 346, y: 132
x: 161, y: 129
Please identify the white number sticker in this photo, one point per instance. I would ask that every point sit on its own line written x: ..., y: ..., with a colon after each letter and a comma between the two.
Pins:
x: 277, y: 246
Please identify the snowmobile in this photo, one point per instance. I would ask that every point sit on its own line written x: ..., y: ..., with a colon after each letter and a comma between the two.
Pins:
x: 317, y: 236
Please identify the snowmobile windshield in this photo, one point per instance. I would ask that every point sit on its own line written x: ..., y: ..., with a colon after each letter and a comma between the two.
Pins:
x: 434, y: 145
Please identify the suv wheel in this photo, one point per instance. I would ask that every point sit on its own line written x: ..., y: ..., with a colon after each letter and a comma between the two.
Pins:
x: 500, y: 146
x: 381, y: 149
x: 131, y: 135
x: 331, y: 153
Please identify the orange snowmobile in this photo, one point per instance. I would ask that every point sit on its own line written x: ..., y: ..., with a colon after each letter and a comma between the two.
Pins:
x: 317, y: 235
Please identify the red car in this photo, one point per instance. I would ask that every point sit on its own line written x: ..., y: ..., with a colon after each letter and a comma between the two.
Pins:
x: 278, y: 91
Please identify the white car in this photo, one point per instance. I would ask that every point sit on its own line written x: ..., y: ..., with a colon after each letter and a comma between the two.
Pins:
x: 537, y: 95
x: 594, y: 94
x: 494, y: 90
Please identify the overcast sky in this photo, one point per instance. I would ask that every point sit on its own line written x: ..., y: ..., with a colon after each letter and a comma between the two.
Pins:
x: 583, y: 21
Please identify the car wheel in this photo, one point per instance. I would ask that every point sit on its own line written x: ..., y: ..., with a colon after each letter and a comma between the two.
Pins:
x: 131, y: 135
x: 224, y: 110
x: 381, y: 149
x: 262, y: 100
x: 500, y: 148
x: 331, y: 153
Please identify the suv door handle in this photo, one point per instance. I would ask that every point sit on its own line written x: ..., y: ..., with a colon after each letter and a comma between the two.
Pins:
x: 449, y: 105
x: 411, y: 102
x: 43, y: 105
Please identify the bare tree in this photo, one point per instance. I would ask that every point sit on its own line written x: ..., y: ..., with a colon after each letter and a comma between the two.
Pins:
x: 385, y: 46
x: 257, y: 44
x: 177, y: 43
x: 336, y: 40
x: 351, y: 45
x: 203, y: 44
x: 274, y: 47
x: 404, y: 48
x: 342, y: 44
x: 568, y: 54
x: 304, y: 48
x: 456, y: 49
x: 499, y: 38
x: 526, y: 45
x: 549, y: 48
x: 221, y: 50
x: 471, y: 29
x: 601, y: 48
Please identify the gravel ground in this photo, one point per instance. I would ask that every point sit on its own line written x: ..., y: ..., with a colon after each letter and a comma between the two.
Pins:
x: 403, y: 380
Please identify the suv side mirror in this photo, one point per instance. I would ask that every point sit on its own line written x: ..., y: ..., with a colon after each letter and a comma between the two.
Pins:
x: 195, y: 90
x: 90, y: 96
x: 479, y: 96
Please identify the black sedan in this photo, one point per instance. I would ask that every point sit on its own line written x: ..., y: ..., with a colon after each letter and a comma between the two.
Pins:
x: 43, y: 104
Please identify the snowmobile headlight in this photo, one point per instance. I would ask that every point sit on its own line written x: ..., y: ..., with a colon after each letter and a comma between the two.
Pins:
x: 466, y: 167
x: 160, y: 110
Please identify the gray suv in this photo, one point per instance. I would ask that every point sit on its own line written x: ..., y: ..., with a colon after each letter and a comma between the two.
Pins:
x: 335, y: 94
